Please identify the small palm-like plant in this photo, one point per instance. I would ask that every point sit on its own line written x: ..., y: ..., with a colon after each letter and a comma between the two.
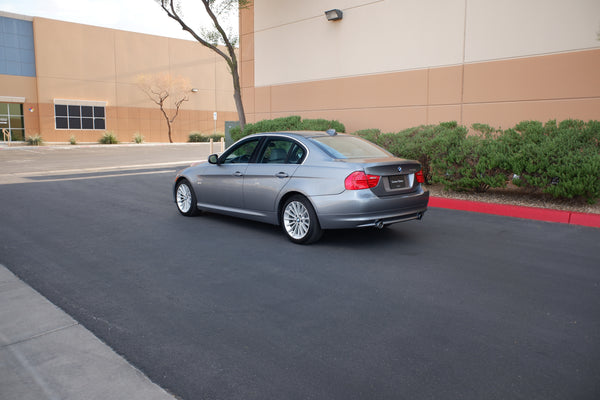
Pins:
x: 35, y: 140
x: 138, y: 138
x: 108, y: 138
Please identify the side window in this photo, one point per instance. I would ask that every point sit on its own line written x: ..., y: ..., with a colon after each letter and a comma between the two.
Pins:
x: 241, y: 154
x: 296, y: 154
x: 276, y: 151
x: 282, y: 151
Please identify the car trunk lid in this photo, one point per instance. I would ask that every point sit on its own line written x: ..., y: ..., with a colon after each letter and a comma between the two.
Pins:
x: 397, y: 176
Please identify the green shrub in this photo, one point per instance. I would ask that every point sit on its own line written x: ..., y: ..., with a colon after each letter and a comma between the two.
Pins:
x: 73, y: 140
x: 196, y: 137
x: 138, y: 138
x: 483, y: 129
x: 371, y: 135
x: 451, y: 157
x: 108, y: 138
x: 34, y: 140
x: 424, y: 143
x: 321, y: 125
x: 469, y: 163
x: 562, y: 160
x: 236, y: 133
x: 292, y: 123
x: 267, y: 125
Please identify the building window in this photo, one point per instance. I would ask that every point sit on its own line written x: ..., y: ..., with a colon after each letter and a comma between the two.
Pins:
x: 17, y: 56
x: 11, y: 118
x: 79, y: 114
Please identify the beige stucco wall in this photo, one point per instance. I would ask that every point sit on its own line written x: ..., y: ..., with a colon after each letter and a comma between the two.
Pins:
x: 80, y: 62
x: 515, y: 28
x: 391, y: 64
x: 373, y: 37
x: 295, y: 43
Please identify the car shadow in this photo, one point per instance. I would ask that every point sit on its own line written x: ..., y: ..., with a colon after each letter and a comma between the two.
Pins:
x: 359, y: 237
x: 240, y: 223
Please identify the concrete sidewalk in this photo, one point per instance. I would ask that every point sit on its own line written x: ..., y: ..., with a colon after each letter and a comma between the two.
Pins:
x: 46, y: 354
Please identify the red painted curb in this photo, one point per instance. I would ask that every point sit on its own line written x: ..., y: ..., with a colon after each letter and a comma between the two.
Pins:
x: 538, y: 214
x: 584, y: 219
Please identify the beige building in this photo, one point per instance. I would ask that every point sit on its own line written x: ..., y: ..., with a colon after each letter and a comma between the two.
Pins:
x: 60, y: 79
x: 393, y: 64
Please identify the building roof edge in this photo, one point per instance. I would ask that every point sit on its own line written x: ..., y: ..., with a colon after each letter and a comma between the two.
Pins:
x: 16, y: 16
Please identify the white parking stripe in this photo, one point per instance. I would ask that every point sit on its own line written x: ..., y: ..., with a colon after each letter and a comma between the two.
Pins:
x: 98, y: 169
x: 77, y: 178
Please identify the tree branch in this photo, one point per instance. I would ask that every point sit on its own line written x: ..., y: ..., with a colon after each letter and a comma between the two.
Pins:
x: 231, y: 59
x: 224, y: 36
x: 172, y: 13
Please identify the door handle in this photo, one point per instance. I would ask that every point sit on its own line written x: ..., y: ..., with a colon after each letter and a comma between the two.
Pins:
x: 237, y: 173
x: 281, y: 175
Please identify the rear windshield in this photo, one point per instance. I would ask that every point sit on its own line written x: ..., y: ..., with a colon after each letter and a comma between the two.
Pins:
x: 349, y: 147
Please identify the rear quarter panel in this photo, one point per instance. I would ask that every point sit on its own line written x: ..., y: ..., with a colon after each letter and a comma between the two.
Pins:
x: 325, y: 178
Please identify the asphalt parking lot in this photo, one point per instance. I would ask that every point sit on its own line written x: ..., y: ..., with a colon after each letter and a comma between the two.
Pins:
x: 459, y: 305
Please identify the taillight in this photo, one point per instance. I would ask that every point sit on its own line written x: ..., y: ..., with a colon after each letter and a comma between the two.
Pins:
x: 359, y: 180
x: 420, y: 176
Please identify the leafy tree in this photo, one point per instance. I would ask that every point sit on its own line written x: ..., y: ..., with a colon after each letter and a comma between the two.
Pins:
x: 212, y: 38
x: 167, y: 92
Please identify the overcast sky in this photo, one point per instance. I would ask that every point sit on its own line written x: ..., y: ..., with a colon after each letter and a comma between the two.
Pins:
x: 144, y: 16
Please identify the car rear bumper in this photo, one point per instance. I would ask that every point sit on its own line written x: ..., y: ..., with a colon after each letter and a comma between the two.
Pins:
x: 362, y: 208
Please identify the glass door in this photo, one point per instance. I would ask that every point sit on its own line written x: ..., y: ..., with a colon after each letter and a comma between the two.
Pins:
x: 11, y: 118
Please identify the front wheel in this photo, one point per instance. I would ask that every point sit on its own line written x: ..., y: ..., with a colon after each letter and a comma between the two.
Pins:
x: 299, y: 221
x: 185, y: 198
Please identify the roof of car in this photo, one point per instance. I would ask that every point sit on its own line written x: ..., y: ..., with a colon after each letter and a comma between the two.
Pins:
x: 307, y: 134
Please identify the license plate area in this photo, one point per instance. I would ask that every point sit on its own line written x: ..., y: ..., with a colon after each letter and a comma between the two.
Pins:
x: 398, y: 181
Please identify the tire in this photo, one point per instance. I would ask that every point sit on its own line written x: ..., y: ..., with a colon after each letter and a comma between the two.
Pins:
x: 185, y: 198
x: 299, y: 221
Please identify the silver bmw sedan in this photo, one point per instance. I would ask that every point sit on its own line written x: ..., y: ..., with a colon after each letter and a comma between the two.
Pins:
x: 306, y: 182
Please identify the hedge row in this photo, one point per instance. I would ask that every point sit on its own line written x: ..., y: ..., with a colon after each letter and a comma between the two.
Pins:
x: 559, y: 159
x: 196, y: 137
x: 293, y: 123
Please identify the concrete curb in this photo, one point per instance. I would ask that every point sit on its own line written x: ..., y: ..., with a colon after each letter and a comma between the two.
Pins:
x: 534, y: 213
x: 46, y: 354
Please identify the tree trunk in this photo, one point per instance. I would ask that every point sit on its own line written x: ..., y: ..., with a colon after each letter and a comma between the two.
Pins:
x: 170, y: 139
x: 237, y: 96
x: 168, y: 121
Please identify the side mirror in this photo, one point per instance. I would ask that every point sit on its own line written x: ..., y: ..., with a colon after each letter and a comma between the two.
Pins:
x: 213, y: 159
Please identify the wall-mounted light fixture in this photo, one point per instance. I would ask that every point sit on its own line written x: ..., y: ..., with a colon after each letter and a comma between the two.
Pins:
x: 334, y: 15
x: 194, y: 90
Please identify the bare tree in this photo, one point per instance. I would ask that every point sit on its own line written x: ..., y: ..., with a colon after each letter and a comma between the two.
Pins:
x: 167, y: 92
x: 212, y: 37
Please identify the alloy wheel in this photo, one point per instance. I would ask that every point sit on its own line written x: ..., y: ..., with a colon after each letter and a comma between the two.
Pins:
x: 296, y: 220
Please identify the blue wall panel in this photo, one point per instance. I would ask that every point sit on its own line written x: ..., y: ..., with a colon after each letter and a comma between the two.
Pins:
x: 17, y: 56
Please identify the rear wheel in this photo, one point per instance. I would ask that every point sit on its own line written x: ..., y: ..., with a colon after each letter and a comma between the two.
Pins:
x: 185, y: 198
x: 299, y: 221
